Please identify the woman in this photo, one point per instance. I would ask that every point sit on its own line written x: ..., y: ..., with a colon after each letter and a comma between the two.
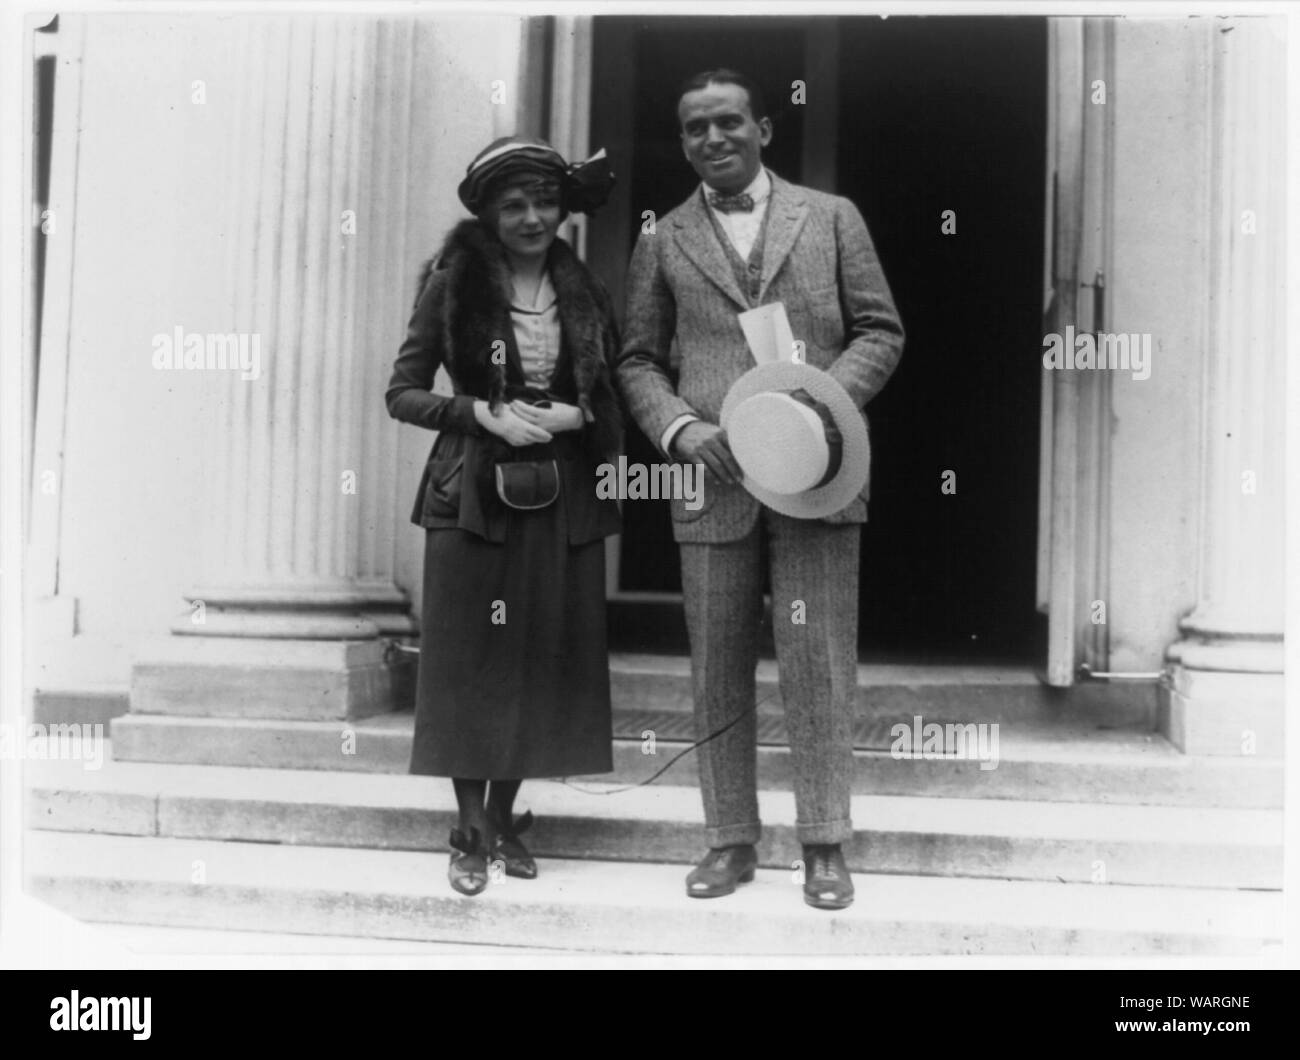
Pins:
x: 513, y: 679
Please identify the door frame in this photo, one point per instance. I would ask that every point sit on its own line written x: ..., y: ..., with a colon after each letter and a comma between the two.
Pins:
x: 1074, y: 456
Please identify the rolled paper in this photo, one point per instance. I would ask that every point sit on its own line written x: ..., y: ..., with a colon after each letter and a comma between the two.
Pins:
x: 767, y: 330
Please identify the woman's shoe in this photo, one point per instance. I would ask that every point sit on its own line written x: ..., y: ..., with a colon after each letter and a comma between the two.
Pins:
x: 507, y: 848
x: 468, y: 868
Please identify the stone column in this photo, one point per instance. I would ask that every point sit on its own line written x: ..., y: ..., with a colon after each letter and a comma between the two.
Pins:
x: 296, y: 588
x: 1227, y: 694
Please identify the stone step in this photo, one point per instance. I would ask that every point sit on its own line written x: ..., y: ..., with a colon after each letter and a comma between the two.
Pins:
x: 1041, y: 760
x: 136, y: 942
x: 959, y: 692
x: 80, y: 706
x: 596, y: 906
x: 1065, y: 842
x: 949, y: 692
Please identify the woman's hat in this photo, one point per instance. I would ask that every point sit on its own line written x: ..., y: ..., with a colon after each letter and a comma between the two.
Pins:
x: 584, y: 187
x: 798, y: 437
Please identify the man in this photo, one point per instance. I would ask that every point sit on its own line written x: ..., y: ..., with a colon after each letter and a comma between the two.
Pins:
x: 748, y: 238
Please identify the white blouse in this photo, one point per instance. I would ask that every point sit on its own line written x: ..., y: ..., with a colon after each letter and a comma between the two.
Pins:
x: 537, y: 333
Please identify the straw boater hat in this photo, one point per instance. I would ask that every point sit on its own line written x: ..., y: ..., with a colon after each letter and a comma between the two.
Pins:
x: 798, y: 437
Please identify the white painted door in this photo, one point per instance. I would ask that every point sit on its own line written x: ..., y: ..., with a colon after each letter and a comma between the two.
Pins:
x: 1074, y: 451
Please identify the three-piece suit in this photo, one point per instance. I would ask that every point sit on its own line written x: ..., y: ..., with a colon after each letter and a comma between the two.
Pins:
x: 686, y: 284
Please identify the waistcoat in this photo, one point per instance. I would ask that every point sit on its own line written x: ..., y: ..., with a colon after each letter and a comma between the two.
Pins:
x: 748, y: 273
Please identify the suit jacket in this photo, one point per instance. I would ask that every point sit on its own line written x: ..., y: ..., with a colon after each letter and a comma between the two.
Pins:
x: 818, y: 259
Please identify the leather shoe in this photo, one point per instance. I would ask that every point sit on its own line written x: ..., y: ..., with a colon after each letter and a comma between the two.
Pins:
x: 721, y: 869
x: 507, y: 848
x: 468, y: 868
x: 826, y: 881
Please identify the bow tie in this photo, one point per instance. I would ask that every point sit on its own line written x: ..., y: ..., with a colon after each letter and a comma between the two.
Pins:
x: 742, y: 203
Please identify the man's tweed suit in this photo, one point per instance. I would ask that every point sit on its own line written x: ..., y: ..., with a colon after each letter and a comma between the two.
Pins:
x: 818, y: 259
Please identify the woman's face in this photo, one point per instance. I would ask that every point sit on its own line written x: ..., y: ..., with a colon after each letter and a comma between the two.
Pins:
x: 527, y: 217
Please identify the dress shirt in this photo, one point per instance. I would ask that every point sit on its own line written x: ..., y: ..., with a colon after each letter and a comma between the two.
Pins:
x: 537, y: 333
x: 742, y: 228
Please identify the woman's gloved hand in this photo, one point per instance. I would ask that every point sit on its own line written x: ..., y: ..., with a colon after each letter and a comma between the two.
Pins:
x: 509, y: 425
x: 554, y: 417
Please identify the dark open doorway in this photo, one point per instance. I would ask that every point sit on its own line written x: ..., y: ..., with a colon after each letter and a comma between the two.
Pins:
x: 908, y: 117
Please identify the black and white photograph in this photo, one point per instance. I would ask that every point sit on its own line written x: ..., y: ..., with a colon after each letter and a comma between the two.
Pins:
x: 621, y: 485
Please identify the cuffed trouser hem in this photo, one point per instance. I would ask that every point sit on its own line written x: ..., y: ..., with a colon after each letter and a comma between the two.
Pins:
x: 733, y: 835
x: 818, y: 833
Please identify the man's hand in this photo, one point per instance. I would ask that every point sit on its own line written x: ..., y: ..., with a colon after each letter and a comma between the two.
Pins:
x: 706, y: 443
x: 559, y: 417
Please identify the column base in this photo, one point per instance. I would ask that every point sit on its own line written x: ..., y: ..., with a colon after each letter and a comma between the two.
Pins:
x: 322, y: 609
x: 1226, y: 698
x: 240, y: 677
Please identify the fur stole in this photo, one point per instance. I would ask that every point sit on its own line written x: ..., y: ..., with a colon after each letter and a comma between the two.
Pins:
x: 471, y: 280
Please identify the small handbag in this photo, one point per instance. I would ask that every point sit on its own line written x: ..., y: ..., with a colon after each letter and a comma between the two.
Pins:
x: 528, y: 485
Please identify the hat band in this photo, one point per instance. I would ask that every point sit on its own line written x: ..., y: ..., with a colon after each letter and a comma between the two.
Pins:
x: 516, y: 147
x: 834, y: 440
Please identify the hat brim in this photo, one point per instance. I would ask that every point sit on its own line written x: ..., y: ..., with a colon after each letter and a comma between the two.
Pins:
x: 855, y: 460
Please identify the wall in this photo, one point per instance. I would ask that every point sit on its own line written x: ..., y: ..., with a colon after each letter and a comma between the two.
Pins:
x: 1158, y: 281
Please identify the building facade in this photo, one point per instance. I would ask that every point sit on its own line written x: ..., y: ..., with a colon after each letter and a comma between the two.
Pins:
x: 230, y: 216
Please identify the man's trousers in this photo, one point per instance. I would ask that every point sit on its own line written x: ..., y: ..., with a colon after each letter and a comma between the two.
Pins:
x: 814, y: 578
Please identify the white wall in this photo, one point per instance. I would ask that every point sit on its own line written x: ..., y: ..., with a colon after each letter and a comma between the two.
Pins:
x: 1157, y: 282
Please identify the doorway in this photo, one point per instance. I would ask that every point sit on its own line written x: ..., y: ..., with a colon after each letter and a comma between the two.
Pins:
x: 909, y: 118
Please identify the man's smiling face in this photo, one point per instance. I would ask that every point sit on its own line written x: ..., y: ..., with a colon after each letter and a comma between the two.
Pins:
x: 721, y: 139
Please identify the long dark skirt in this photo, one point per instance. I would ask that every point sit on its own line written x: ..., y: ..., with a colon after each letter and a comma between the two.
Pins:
x: 514, y: 668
